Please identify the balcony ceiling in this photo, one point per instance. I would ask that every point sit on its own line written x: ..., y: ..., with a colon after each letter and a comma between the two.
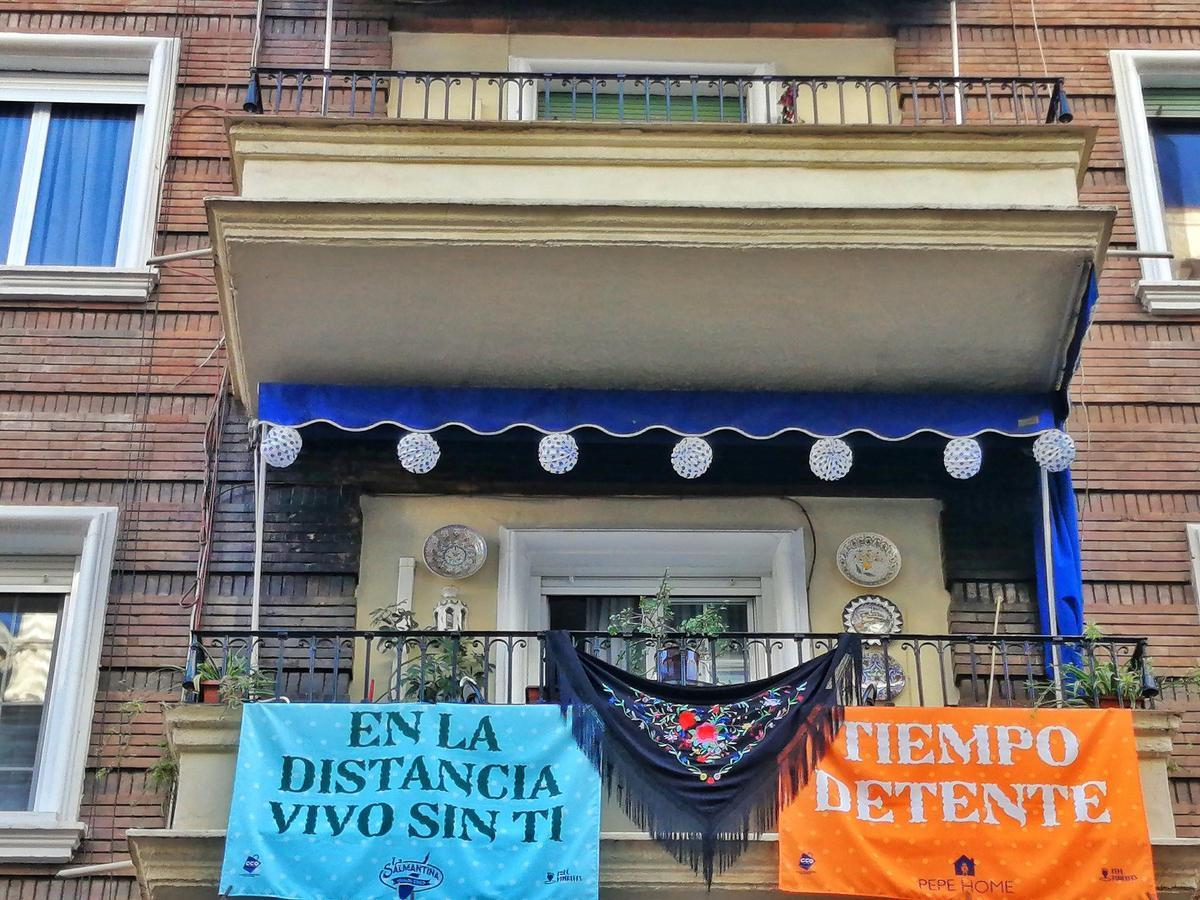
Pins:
x: 749, y: 298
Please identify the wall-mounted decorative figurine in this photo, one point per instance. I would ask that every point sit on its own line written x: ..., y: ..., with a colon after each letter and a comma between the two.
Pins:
x: 868, y: 559
x: 455, y: 551
x: 872, y: 614
x: 873, y: 665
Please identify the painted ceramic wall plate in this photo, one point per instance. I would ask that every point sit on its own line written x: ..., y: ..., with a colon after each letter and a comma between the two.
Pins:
x: 872, y: 663
x: 868, y: 559
x: 872, y: 614
x: 455, y: 551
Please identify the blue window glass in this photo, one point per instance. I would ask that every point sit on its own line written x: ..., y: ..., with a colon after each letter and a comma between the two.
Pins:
x: 81, y: 193
x: 1177, y: 148
x: 14, y: 133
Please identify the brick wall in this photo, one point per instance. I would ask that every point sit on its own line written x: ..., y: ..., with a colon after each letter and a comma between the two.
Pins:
x: 1137, y: 395
x: 108, y: 404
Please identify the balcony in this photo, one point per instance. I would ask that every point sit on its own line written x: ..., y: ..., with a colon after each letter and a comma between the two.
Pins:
x: 455, y: 215
x: 182, y: 861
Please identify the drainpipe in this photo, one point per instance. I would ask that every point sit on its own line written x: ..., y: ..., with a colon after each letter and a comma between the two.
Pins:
x: 955, y: 66
x: 1051, y: 594
x: 328, y: 56
x: 260, y: 502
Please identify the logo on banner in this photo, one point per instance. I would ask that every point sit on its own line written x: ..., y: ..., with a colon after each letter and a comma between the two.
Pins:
x: 250, y: 866
x: 1116, y: 873
x: 561, y: 876
x: 964, y: 865
x: 806, y: 862
x: 409, y: 876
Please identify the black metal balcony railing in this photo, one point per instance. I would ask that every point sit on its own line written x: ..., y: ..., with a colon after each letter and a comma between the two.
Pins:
x: 665, y: 98
x: 510, y: 667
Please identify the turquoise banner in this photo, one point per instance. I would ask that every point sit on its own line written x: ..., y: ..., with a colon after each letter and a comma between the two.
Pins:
x: 426, y: 800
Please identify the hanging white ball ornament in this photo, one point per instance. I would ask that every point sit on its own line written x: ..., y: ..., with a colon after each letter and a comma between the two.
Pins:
x: 280, y: 446
x: 558, y: 453
x: 1054, y: 451
x: 418, y: 452
x: 830, y: 459
x: 962, y: 458
x: 691, y: 457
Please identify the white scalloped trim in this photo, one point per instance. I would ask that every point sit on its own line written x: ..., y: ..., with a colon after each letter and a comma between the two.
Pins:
x: 791, y: 429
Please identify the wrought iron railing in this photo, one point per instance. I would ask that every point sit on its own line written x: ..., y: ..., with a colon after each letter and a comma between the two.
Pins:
x: 322, y: 665
x: 662, y: 98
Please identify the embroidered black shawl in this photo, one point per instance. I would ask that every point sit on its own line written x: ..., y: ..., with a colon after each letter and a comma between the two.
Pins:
x: 702, y: 768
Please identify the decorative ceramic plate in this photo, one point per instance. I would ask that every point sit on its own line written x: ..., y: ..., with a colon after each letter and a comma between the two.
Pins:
x: 872, y: 614
x: 868, y: 559
x: 455, y: 551
x: 872, y: 663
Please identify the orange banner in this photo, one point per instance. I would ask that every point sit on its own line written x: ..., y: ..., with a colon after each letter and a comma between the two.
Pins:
x: 980, y: 803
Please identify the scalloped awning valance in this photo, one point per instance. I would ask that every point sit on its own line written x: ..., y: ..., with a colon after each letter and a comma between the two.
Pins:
x: 757, y: 415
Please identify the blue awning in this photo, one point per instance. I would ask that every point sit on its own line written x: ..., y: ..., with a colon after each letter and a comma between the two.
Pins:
x: 758, y: 415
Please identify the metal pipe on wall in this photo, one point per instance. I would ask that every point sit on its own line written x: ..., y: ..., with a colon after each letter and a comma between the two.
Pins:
x: 328, y: 56
x: 955, y: 63
x: 260, y: 502
x: 1051, y: 594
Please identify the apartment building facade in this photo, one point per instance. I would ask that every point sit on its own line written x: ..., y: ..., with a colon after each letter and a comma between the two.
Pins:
x: 631, y: 285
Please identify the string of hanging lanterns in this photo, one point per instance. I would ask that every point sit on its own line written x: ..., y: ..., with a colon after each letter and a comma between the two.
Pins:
x: 830, y: 459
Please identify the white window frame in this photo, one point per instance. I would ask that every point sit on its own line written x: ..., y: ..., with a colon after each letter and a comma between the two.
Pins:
x: 527, y: 555
x: 1134, y: 71
x: 50, y: 830
x: 523, y: 104
x: 48, y: 69
x: 1193, y: 539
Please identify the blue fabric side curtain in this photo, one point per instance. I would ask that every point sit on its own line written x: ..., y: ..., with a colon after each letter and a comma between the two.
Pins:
x: 14, y: 133
x: 82, y: 190
x: 1065, y: 565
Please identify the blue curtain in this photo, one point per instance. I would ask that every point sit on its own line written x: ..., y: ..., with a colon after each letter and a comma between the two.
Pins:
x: 1065, y: 563
x: 1177, y: 148
x: 86, y: 166
x: 14, y: 131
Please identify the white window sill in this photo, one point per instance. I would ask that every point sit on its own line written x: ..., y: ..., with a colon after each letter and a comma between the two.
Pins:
x: 1170, y: 298
x: 86, y: 283
x: 38, y: 837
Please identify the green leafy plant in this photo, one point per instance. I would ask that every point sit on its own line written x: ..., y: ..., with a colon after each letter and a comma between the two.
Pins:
x: 436, y: 674
x: 432, y: 668
x: 165, y: 769
x: 1095, y: 679
x: 237, y: 681
x: 649, y: 624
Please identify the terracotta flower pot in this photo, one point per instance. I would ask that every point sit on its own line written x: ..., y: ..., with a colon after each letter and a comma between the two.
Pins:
x: 210, y: 692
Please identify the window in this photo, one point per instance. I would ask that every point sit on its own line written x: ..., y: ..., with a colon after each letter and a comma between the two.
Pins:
x: 1158, y: 109
x: 28, y: 626
x: 54, y: 575
x: 83, y: 135
x: 642, y: 93
x: 66, y: 166
x: 640, y: 100
x: 702, y: 661
x: 1174, y: 119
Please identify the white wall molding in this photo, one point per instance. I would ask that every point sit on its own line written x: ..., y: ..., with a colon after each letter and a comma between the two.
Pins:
x: 49, y: 68
x: 1133, y: 71
x: 51, y: 829
x: 530, y: 554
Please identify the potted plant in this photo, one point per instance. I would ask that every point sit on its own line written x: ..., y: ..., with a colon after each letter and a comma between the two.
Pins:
x: 441, y: 668
x: 234, y: 683
x: 648, y: 625
x: 1098, y: 681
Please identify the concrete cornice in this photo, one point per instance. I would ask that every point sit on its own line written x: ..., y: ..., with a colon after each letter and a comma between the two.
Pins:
x: 1154, y: 730
x: 1056, y: 229
x: 202, y: 728
x: 994, y: 147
